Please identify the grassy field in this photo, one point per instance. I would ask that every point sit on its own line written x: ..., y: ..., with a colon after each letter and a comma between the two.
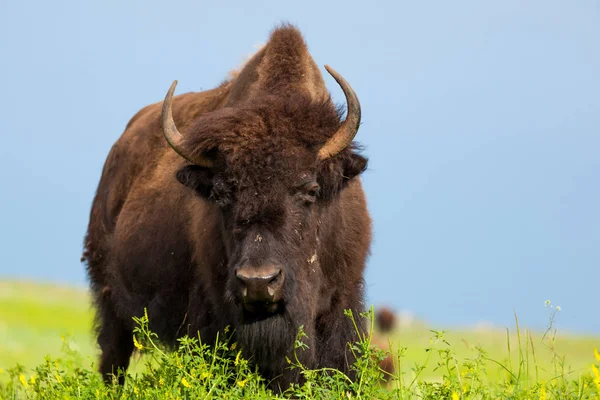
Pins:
x: 34, y: 317
x: 38, y: 319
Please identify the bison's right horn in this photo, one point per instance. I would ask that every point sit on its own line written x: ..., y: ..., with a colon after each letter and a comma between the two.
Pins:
x: 344, y: 136
x: 174, y: 138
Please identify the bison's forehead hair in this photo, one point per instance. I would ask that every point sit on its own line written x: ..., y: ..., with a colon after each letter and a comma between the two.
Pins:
x: 267, y: 134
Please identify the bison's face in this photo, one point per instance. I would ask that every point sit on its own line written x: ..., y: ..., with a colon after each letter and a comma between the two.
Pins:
x: 271, y: 165
x: 270, y: 208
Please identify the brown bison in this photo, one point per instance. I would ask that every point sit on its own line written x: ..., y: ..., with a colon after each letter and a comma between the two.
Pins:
x: 385, y: 322
x: 385, y: 319
x: 250, y: 214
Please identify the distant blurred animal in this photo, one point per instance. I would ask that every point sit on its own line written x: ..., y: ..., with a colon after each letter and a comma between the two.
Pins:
x: 238, y: 206
x: 387, y: 364
x: 385, y: 319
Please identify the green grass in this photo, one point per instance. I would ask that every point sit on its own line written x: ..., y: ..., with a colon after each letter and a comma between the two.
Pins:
x: 34, y: 316
x: 41, y: 319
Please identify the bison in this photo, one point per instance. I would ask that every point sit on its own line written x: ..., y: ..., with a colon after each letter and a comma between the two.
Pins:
x: 238, y: 206
x: 385, y: 319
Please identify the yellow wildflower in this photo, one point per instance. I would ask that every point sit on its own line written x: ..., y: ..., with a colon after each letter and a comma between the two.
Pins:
x: 543, y: 395
x: 242, y: 383
x: 32, y: 380
x: 136, y: 391
x: 137, y: 344
x: 206, y: 375
x: 185, y: 383
x: 234, y: 345
x: 596, y: 377
x: 596, y: 356
x: 237, y: 358
x: 455, y: 396
x: 97, y: 393
x: 226, y: 329
x: 58, y: 378
x: 23, y: 380
x: 161, y: 381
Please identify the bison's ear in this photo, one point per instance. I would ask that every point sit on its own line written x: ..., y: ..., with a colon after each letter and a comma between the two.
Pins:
x: 197, y: 178
x: 352, y: 166
x: 334, y: 174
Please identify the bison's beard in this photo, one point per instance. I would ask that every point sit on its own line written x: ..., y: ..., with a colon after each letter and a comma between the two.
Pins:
x: 267, y: 341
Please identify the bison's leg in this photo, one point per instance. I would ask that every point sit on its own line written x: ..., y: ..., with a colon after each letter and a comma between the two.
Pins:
x: 116, y: 343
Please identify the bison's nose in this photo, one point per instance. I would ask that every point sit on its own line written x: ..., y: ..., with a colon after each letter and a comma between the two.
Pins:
x: 261, y: 284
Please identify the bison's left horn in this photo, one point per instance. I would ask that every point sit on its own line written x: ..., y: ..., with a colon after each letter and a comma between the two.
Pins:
x: 174, y: 138
x: 344, y: 136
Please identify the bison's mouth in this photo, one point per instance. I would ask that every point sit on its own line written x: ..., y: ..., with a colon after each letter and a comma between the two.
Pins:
x: 260, y: 310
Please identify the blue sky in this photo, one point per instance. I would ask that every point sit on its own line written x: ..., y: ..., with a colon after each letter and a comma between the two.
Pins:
x: 481, y: 121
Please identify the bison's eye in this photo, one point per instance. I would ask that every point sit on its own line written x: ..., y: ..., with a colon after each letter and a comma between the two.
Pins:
x: 310, y: 192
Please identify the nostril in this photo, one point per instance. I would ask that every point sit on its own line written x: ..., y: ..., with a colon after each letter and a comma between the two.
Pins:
x: 275, y: 277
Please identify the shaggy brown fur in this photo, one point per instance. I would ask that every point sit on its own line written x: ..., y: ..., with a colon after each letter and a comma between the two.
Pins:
x: 168, y: 236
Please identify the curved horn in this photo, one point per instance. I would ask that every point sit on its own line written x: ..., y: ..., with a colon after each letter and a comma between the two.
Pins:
x: 343, y: 137
x: 174, y: 138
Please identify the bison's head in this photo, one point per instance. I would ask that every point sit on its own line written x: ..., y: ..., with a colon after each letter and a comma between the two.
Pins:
x: 272, y: 166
